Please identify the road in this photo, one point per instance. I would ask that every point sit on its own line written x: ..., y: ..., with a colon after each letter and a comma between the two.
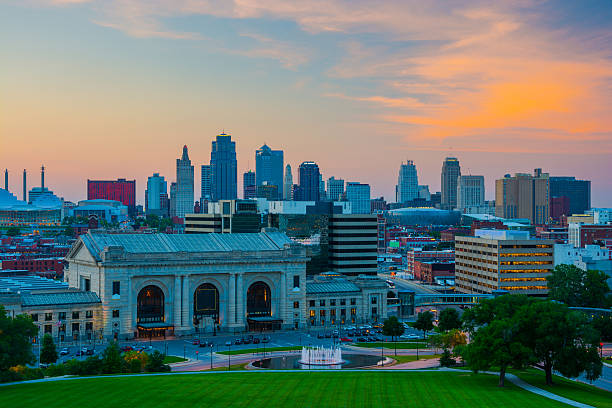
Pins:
x: 404, y: 284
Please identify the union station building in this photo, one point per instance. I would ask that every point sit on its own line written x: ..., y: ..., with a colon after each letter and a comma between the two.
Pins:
x: 165, y: 284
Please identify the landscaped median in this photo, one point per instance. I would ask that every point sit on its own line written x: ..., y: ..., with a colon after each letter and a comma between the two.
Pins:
x: 409, y: 359
x: 404, y: 345
x: 258, y: 350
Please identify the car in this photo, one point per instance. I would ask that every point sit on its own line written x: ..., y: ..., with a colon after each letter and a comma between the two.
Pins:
x: 203, y: 344
x: 238, y: 342
x: 64, y: 352
x: 255, y: 340
x: 361, y: 340
x: 195, y: 342
x: 265, y: 339
x: 320, y: 336
x: 327, y: 335
x: 228, y: 343
x: 126, y: 348
x: 346, y: 340
x: 89, y: 352
x: 246, y: 340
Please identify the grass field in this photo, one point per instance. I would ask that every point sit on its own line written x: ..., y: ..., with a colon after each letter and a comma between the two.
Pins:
x: 173, y: 359
x: 390, y: 345
x: 409, y: 359
x: 258, y: 350
x: 260, y: 389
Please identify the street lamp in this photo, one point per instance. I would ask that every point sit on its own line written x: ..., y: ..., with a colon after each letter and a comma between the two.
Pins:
x: 229, y: 355
x: 211, y: 359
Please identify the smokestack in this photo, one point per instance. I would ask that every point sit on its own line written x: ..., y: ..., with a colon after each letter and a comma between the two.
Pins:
x: 24, y: 186
x: 6, y: 179
x: 42, y: 177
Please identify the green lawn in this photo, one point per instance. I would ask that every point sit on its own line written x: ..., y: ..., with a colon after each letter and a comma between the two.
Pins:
x: 258, y: 350
x: 390, y: 345
x: 408, y: 359
x: 173, y: 359
x: 270, y: 390
x: 566, y: 388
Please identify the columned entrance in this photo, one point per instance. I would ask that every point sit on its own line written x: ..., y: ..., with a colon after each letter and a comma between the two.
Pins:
x: 259, y: 308
x: 150, y: 312
x: 206, y: 306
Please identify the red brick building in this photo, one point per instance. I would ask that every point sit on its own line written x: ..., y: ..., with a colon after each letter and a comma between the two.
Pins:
x: 427, y: 271
x: 118, y: 190
x: 36, y: 265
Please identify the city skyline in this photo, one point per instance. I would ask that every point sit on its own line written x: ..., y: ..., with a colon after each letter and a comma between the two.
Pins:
x: 504, y: 88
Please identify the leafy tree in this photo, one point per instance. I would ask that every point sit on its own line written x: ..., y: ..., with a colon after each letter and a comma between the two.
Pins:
x: 152, y: 221
x: 577, y: 288
x: 446, y: 359
x: 48, y: 353
x: 449, y: 320
x: 603, y: 324
x: 424, y: 322
x: 156, y: 363
x: 111, y: 359
x: 13, y: 231
x: 69, y: 231
x: 164, y: 223
x: 563, y: 340
x: 499, y: 335
x: 392, y: 327
x: 15, y: 343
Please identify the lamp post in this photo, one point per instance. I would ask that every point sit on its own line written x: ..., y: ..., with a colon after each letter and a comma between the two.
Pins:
x: 382, y: 352
x: 211, y: 360
x: 229, y: 355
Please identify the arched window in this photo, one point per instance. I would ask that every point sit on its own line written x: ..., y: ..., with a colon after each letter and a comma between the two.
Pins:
x: 259, y: 300
x: 150, y: 305
x: 206, y: 301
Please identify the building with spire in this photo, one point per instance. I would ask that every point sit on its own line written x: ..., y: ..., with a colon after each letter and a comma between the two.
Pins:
x: 184, y: 198
x: 224, y: 168
x: 288, y: 184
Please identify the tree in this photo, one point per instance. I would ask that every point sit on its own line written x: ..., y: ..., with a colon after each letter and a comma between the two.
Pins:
x: 577, y: 288
x: 563, y: 340
x: 15, y: 340
x: 424, y: 322
x: 156, y: 363
x: 603, y: 324
x: 13, y: 231
x: 499, y: 335
x: 449, y: 320
x: 392, y: 327
x: 152, y: 221
x: 69, y: 231
x: 111, y: 359
x: 48, y: 353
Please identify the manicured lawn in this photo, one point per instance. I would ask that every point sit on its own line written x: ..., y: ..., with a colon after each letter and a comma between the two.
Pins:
x: 408, y: 359
x: 390, y: 345
x: 270, y: 390
x: 574, y: 390
x: 173, y: 359
x: 258, y: 350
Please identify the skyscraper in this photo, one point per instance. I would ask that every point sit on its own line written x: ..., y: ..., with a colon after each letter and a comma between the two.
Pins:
x: 288, y: 184
x: 335, y: 188
x: 578, y: 193
x: 470, y: 192
x: 322, y: 194
x: 523, y: 196
x: 249, y: 188
x: 156, y: 192
x: 407, y: 188
x: 205, y: 188
x: 224, y: 168
x: 269, y: 167
x: 450, y: 172
x: 308, y: 176
x: 359, y: 196
x: 184, y: 186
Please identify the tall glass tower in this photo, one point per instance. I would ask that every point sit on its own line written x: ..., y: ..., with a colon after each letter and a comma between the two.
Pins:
x: 450, y: 172
x: 269, y: 167
x: 224, y: 169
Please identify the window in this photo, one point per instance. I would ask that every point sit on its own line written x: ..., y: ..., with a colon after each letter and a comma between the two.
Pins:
x: 115, y: 313
x: 296, y: 281
x: 322, y: 313
x: 61, y: 315
x: 75, y: 315
x: 322, y: 302
x: 75, y: 327
x: 48, y: 317
x: 62, y: 328
x: 88, y: 326
x: 116, y: 288
x: 312, y: 313
x: 374, y: 311
x: 342, y: 302
x: 311, y: 303
x: 86, y: 285
x: 296, y: 305
x: 353, y: 301
x: 332, y: 313
x: 353, y: 311
x: 342, y: 312
x: 373, y: 300
x: 48, y: 328
x: 34, y: 317
x: 332, y: 302
x: 89, y: 314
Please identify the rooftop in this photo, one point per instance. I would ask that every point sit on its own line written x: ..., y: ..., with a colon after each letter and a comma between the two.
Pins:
x: 59, y: 298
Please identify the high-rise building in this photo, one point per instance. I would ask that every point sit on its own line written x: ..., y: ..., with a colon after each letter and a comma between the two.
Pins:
x: 172, y: 209
x: 359, y: 196
x: 424, y: 193
x: 288, y: 184
x: 225, y: 216
x: 450, y: 173
x: 249, y: 188
x: 470, y: 192
x: 353, y: 242
x: 578, y: 193
x: 523, y: 196
x: 322, y: 194
x: 224, y: 168
x: 267, y: 191
x: 269, y: 167
x: 117, y: 190
x: 155, y: 194
x: 183, y: 203
x: 206, y: 180
x: 308, y: 179
x: 407, y: 188
x: 335, y: 189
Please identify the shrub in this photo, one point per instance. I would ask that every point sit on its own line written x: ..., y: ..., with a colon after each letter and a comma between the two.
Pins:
x: 91, y: 366
x: 72, y: 367
x: 446, y: 359
x: 156, y: 363
x: 135, y: 366
x: 10, y: 376
x: 55, y: 370
x: 141, y: 358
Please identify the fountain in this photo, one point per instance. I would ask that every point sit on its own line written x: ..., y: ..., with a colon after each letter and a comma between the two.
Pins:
x: 321, y: 356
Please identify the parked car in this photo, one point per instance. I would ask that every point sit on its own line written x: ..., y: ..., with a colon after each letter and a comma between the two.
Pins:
x: 195, y: 342
x: 246, y: 340
x: 64, y: 352
x: 265, y: 339
x: 361, y: 340
x: 89, y: 352
x: 320, y: 336
x: 238, y: 342
x: 255, y: 340
x: 228, y: 343
x: 328, y: 335
x: 346, y: 340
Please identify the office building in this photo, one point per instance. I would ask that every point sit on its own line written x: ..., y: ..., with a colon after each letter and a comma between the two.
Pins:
x: 288, y: 184
x: 224, y: 168
x: 523, y: 196
x: 267, y: 191
x: 407, y: 188
x: 424, y: 193
x: 249, y: 188
x: 113, y: 212
x: 269, y: 167
x: 470, y: 192
x: 353, y: 244
x: 450, y: 174
x: 184, y: 193
x: 580, y: 235
x: 359, y: 196
x: 378, y: 204
x: 578, y: 193
x: 224, y: 217
x: 156, y: 195
x: 502, y: 260
x: 308, y: 179
x: 206, y: 183
x: 335, y: 189
x: 117, y: 190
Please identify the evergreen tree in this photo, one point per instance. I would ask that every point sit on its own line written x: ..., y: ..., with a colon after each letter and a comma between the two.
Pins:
x: 48, y: 353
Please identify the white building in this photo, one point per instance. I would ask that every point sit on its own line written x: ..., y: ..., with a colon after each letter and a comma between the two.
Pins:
x: 297, y: 207
x: 470, y: 192
x: 568, y: 254
x: 407, y: 188
x: 288, y: 184
x: 184, y: 186
x: 359, y: 196
x: 601, y: 215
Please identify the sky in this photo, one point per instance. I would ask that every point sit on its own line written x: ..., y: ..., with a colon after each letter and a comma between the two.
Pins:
x: 114, y: 89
